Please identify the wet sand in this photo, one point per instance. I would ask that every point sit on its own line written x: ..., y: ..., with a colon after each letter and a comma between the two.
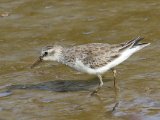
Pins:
x: 55, y: 92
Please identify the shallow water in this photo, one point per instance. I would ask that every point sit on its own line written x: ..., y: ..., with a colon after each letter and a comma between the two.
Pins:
x: 53, y: 91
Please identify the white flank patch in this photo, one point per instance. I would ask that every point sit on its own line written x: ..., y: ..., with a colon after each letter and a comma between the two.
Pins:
x: 83, y: 68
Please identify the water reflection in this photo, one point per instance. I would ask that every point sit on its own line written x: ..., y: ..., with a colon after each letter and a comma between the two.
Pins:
x: 60, y: 85
x: 30, y: 25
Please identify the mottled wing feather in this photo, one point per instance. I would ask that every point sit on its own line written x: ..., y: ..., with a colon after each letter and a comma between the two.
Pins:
x: 98, y: 59
x: 94, y: 55
x: 101, y: 56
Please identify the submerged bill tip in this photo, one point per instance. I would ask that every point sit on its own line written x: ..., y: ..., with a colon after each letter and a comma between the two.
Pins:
x: 36, y: 62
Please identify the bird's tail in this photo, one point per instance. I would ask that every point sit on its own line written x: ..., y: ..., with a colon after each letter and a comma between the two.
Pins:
x: 133, y: 43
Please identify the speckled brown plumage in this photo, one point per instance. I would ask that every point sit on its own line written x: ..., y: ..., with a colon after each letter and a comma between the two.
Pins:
x: 94, y: 54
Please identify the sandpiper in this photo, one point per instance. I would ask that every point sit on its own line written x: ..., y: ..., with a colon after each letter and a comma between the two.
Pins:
x: 92, y: 58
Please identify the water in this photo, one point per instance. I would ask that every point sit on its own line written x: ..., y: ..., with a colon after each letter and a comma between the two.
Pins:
x: 53, y: 91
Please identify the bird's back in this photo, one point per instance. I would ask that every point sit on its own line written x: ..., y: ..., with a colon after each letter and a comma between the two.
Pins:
x: 94, y: 56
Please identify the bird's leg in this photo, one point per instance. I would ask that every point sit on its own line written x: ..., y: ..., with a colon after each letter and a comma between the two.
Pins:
x: 115, y: 82
x: 117, y: 90
x: 100, y: 85
x: 114, y: 75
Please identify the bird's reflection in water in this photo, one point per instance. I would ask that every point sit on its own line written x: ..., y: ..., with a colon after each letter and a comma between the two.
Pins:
x: 67, y: 86
x: 60, y: 85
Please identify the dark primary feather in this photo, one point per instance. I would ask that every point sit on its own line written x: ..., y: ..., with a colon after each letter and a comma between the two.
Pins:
x: 130, y: 43
x: 136, y: 41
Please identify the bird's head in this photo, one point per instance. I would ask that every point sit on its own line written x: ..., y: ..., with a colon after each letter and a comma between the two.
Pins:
x: 50, y: 53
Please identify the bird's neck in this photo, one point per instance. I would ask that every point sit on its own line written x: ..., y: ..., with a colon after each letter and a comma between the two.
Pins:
x: 59, y: 54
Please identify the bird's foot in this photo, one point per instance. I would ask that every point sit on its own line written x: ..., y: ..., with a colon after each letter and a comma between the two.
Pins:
x: 95, y: 92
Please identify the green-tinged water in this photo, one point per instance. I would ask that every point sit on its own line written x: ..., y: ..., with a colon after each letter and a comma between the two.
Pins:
x: 56, y: 92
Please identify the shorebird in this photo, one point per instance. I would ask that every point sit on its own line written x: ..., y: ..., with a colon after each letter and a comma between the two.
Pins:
x: 92, y: 58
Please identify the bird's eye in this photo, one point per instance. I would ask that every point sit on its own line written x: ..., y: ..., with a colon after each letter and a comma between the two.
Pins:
x: 45, y: 53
